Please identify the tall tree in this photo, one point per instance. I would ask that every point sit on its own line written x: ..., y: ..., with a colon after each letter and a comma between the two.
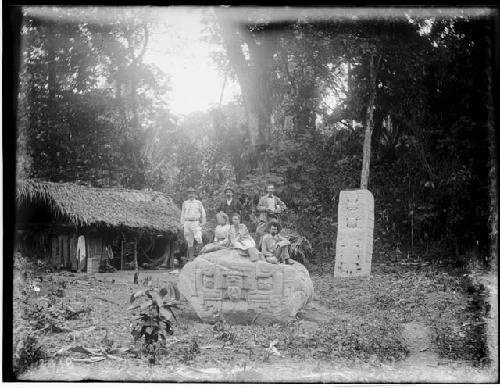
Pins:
x: 89, y: 101
x: 250, y: 48
x: 365, y: 172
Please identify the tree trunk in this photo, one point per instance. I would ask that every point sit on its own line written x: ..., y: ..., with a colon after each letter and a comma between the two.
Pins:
x: 51, y: 75
x: 349, y: 77
x: 305, y: 121
x: 365, y: 172
x: 119, y: 99
x: 253, y: 75
x: 222, y: 90
x: 137, y: 177
x: 133, y: 86
x: 136, y: 263
x: 493, y: 175
x: 135, y: 60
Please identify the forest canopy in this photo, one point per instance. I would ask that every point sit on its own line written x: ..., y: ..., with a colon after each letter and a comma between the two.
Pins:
x: 92, y: 110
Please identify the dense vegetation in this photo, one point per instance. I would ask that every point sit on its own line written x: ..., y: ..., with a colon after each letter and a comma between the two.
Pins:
x: 91, y: 110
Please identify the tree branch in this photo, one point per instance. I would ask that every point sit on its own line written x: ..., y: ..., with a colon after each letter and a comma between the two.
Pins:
x: 144, y: 47
x: 223, y: 87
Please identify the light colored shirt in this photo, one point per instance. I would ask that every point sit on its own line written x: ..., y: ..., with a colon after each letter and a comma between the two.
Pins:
x: 270, y: 243
x: 193, y: 210
x: 272, y: 203
x: 221, y: 232
x: 240, y: 238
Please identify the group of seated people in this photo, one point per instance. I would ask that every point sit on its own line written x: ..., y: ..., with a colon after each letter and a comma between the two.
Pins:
x: 274, y: 247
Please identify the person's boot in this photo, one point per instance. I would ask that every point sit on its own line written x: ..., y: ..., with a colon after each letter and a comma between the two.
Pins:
x: 190, y: 253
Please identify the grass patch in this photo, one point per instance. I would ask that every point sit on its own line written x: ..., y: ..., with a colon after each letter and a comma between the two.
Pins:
x: 376, y: 308
x: 356, y: 320
x: 353, y: 340
x: 461, y: 331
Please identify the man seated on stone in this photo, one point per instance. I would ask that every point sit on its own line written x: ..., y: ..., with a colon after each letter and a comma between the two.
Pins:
x: 221, y: 234
x: 275, y: 246
x: 269, y: 208
x: 239, y: 238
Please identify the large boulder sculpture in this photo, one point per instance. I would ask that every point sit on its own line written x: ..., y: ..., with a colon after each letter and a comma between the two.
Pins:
x: 223, y: 284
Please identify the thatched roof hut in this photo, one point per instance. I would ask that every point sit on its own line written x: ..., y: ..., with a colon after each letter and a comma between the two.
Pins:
x: 86, y: 206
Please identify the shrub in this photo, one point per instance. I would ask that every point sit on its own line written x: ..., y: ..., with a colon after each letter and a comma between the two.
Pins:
x: 154, y: 319
x: 27, y: 349
x: 464, y: 336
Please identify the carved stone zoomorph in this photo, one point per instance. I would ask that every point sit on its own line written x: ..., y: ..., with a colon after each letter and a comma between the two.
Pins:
x: 223, y: 283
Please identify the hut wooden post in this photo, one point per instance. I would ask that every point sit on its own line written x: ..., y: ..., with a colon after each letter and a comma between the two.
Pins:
x: 54, y: 251
x: 167, y: 254
x: 121, y: 255
x: 136, y: 264
x: 60, y: 252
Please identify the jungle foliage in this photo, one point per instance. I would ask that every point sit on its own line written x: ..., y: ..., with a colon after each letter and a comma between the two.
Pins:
x: 91, y: 110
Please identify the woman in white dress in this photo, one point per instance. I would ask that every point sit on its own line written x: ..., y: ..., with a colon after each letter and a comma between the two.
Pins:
x: 239, y: 238
x: 220, y: 234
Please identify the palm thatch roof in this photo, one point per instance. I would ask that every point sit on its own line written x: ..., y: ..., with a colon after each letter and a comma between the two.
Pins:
x: 112, y: 207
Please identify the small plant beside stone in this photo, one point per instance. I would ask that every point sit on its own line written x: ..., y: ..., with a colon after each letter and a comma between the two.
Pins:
x: 154, y: 319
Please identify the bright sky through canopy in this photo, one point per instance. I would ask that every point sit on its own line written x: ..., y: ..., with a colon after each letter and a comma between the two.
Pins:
x: 177, y: 48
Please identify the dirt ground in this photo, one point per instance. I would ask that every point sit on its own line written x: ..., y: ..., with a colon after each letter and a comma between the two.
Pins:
x: 393, y: 327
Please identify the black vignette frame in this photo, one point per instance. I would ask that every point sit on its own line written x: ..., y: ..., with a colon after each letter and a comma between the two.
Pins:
x: 12, y: 22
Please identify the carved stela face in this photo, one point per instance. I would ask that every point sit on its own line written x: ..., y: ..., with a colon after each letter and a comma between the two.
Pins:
x: 234, y: 284
x: 352, y: 203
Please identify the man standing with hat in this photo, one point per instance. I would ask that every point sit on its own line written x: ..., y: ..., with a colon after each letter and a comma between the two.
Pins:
x: 193, y: 217
x: 230, y: 205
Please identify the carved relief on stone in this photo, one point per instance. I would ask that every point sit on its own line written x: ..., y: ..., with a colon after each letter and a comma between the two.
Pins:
x: 274, y: 301
x: 352, y: 203
x: 265, y: 283
x: 234, y: 285
x: 355, y: 234
x: 352, y: 222
x: 231, y: 286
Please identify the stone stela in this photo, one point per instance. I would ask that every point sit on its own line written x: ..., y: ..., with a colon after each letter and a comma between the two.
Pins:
x: 221, y: 283
x: 354, y: 248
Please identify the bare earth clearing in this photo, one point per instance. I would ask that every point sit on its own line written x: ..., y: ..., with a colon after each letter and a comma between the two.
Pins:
x: 400, y: 325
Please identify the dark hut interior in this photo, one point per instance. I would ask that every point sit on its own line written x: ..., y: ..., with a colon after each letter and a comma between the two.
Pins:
x: 118, y: 228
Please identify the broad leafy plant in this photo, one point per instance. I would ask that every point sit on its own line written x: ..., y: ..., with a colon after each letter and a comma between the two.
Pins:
x: 155, y: 317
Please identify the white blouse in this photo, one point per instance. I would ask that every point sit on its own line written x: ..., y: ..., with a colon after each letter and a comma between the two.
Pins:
x: 221, y: 232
